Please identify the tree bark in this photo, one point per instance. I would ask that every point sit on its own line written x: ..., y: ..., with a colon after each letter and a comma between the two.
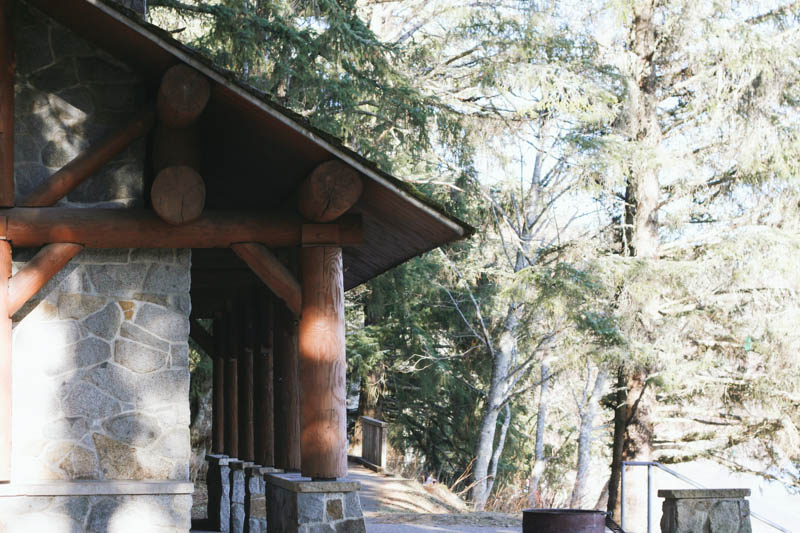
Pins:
x: 498, y: 450
x: 540, y: 462
x: 587, y: 413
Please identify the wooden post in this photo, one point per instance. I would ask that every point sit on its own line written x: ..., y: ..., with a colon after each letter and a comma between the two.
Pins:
x: 7, y: 68
x: 231, y: 391
x: 323, y: 365
x: 246, y: 330
x: 287, y: 398
x: 5, y: 364
x: 262, y: 383
x: 217, y: 388
x: 178, y: 195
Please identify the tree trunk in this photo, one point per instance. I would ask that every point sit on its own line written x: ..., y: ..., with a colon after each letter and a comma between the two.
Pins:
x: 587, y: 414
x: 498, y: 450
x: 620, y: 421
x: 540, y: 462
x: 495, y: 400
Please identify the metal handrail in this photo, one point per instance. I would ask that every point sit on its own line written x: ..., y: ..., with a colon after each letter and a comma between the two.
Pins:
x: 649, y: 465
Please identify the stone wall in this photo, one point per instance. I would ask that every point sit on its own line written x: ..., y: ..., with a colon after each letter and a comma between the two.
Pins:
x: 100, y: 355
x: 705, y: 510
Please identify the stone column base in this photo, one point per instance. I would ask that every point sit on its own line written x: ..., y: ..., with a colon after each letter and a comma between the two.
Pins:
x: 298, y: 505
x: 255, y: 500
x: 91, y: 506
x: 219, y: 492
x: 706, y: 510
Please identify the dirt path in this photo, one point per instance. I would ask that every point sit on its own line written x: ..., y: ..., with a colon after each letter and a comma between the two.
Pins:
x: 396, y: 505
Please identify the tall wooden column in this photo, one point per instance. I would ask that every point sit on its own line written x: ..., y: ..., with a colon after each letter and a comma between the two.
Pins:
x: 286, y: 387
x: 7, y: 69
x: 323, y: 365
x: 5, y: 364
x: 231, y: 390
x: 217, y: 388
x: 264, y: 429
x: 246, y: 317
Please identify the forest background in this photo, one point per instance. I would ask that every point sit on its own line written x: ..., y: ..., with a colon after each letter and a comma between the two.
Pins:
x: 631, y: 169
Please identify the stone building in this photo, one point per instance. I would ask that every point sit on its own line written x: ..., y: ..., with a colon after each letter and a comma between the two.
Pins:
x: 107, y: 277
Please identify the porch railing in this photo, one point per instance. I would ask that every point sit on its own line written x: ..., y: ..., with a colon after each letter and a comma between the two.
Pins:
x: 373, y: 447
x: 650, y: 465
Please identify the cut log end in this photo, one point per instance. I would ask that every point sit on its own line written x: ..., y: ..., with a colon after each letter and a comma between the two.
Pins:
x: 329, y: 192
x: 182, y: 97
x: 178, y: 195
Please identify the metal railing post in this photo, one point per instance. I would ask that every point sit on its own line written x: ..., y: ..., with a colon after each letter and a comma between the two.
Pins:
x: 649, y: 498
x: 622, y: 499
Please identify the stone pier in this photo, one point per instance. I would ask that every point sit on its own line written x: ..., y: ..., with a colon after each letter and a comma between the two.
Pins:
x: 299, y: 505
x: 705, y: 510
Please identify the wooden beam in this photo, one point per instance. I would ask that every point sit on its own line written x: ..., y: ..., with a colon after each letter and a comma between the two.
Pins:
x: 245, y: 355
x: 272, y: 272
x: 138, y: 228
x: 323, y: 365
x: 45, y: 264
x: 287, y: 391
x: 178, y: 195
x: 5, y: 364
x: 176, y: 146
x: 182, y: 96
x: 217, y: 388
x: 79, y: 169
x: 7, y: 69
x: 262, y: 383
x: 202, y: 337
x: 329, y: 191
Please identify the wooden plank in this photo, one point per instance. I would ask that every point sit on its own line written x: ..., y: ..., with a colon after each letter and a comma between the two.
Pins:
x: 287, y: 391
x: 182, y: 96
x: 218, y: 386
x: 5, y: 364
x: 178, y: 195
x: 138, y: 228
x: 231, y: 391
x: 329, y: 191
x: 89, y: 162
x: 323, y: 365
x: 262, y: 383
x: 246, y: 320
x: 7, y: 69
x: 45, y: 264
x: 272, y: 272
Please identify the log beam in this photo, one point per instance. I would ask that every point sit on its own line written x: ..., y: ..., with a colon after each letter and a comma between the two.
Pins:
x: 178, y: 195
x: 182, y: 96
x: 79, y: 169
x: 329, y: 191
x: 45, y: 264
x: 7, y: 69
x: 323, y: 365
x: 138, y: 228
x: 5, y: 364
x: 272, y: 272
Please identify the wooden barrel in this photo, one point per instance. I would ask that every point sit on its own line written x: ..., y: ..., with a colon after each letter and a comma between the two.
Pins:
x: 563, y: 520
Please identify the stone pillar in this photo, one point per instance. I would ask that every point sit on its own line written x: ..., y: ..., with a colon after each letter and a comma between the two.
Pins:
x: 237, y: 495
x: 705, y: 510
x: 218, y: 480
x: 255, y: 499
x: 297, y: 504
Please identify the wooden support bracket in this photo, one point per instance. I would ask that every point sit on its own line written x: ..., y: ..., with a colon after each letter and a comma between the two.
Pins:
x: 39, y: 270
x: 202, y: 337
x: 5, y: 364
x: 79, y: 169
x: 272, y: 272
